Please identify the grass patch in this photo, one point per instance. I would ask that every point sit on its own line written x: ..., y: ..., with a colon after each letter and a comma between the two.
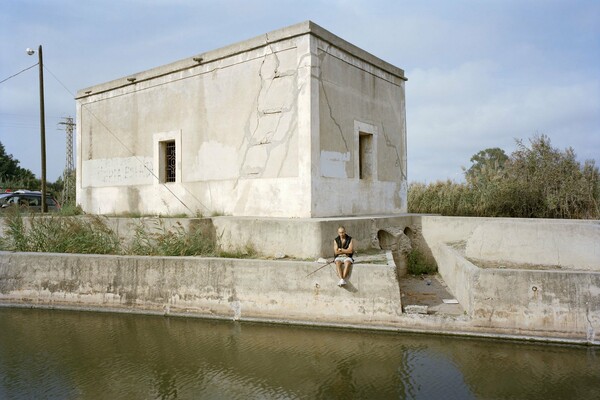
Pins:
x: 247, y: 251
x: 59, y: 234
x: 418, y: 264
x: 89, y: 234
x: 160, y: 241
x: 70, y: 210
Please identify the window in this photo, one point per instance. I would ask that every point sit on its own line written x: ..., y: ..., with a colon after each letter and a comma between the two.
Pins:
x: 365, y: 155
x: 170, y: 161
x: 365, y: 145
x: 167, y: 157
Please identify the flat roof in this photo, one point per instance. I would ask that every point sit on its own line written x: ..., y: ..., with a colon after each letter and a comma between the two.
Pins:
x: 303, y: 28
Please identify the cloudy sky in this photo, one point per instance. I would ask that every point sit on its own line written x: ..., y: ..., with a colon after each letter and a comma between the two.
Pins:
x: 481, y: 73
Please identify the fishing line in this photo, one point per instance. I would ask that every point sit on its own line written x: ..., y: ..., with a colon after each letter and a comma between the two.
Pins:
x: 320, y: 268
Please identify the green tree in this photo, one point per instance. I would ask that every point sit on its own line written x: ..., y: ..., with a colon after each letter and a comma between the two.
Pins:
x: 11, y: 174
x: 486, y: 163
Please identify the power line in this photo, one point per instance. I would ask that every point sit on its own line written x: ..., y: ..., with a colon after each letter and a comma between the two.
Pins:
x: 59, y: 81
x: 69, y: 125
x: 20, y: 72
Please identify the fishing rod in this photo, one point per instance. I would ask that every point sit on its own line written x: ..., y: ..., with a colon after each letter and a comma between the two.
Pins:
x: 320, y: 268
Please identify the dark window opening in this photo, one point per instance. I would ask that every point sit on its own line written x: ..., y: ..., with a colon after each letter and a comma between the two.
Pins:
x: 169, y: 161
x: 365, y: 156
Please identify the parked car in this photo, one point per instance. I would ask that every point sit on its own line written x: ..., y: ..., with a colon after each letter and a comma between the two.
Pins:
x: 28, y: 199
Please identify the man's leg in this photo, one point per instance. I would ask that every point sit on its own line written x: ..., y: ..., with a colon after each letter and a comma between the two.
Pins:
x: 340, y: 272
x: 338, y: 265
x: 347, y: 265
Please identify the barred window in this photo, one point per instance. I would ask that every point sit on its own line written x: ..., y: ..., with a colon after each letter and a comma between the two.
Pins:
x: 169, y: 161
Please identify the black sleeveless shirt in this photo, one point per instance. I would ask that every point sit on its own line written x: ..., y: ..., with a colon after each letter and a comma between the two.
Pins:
x: 338, y: 240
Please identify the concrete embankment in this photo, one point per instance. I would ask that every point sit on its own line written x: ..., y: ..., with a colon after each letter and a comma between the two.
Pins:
x: 522, y: 278
x: 238, y: 289
x: 519, y: 275
x: 289, y: 292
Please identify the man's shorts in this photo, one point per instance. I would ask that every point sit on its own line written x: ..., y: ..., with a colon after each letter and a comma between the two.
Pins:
x: 344, y: 258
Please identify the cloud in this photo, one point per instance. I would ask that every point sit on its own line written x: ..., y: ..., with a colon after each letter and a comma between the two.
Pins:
x: 454, y: 113
x: 480, y: 73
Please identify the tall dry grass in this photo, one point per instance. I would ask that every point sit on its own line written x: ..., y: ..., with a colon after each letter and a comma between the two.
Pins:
x: 88, y: 234
x: 537, y: 181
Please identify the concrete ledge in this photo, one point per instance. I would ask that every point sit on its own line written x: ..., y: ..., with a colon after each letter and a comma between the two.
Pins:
x: 551, y: 302
x: 567, y: 244
x: 259, y: 291
x: 210, y: 287
x: 570, y: 244
x: 303, y: 238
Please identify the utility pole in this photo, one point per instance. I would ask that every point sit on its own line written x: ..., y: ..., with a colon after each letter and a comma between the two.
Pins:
x: 42, y: 123
x: 68, y: 188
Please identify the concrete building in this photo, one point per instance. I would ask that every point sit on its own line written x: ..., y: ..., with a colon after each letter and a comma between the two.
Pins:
x: 293, y: 123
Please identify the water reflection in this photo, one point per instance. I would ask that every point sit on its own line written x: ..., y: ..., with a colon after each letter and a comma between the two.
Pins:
x: 56, y: 354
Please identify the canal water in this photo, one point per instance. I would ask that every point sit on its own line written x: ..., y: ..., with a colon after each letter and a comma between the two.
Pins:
x: 49, y: 354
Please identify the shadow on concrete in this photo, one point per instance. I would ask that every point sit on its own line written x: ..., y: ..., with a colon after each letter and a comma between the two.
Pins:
x: 430, y: 291
x: 349, y: 287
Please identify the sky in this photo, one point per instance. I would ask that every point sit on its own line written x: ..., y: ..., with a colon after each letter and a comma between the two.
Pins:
x: 481, y: 73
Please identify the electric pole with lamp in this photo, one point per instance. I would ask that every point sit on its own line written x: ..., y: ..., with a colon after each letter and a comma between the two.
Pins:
x: 42, y: 124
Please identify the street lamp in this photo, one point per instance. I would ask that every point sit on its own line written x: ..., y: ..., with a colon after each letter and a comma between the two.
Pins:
x: 42, y: 124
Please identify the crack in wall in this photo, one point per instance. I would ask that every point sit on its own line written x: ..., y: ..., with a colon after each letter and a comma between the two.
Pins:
x: 290, y: 111
x: 389, y: 143
x: 591, y: 331
x: 322, y: 85
x: 248, y: 133
x: 294, y: 119
x: 250, y: 140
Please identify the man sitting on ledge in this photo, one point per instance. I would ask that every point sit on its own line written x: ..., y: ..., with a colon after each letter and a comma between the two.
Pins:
x: 343, y: 248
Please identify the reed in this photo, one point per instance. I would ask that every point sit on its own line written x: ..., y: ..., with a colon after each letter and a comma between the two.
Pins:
x: 536, y: 181
x: 59, y: 234
x: 176, y: 241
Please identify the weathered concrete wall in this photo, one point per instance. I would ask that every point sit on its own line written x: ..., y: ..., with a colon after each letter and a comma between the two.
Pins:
x: 300, y: 237
x: 571, y: 244
x: 568, y: 244
x: 359, y: 106
x: 551, y: 302
x: 245, y: 123
x: 513, y: 300
x: 208, y: 287
x: 550, y: 281
x: 304, y: 238
x: 235, y: 123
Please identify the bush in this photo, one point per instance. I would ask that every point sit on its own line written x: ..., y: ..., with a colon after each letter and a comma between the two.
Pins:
x: 536, y: 181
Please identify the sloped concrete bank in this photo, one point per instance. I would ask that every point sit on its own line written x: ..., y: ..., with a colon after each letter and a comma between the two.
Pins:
x: 555, y: 303
x: 516, y: 275
x: 260, y: 290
